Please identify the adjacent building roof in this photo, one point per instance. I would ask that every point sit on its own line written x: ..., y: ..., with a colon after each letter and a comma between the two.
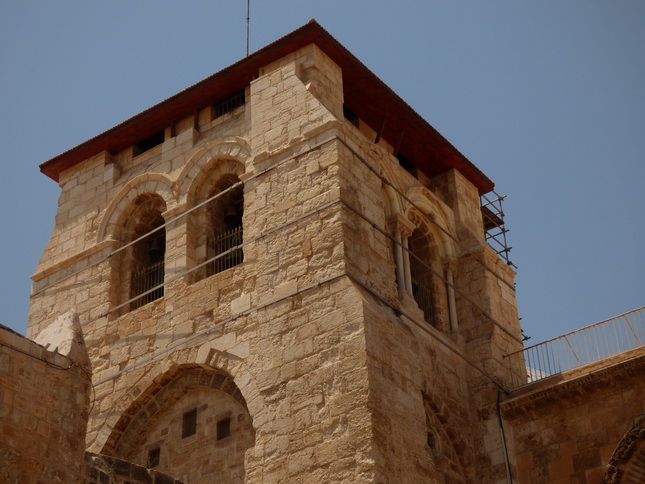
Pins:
x: 365, y: 95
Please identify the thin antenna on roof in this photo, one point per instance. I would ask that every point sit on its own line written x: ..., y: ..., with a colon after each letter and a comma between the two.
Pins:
x: 248, y: 24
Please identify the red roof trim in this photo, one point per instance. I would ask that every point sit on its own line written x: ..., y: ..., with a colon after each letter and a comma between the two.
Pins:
x: 365, y: 94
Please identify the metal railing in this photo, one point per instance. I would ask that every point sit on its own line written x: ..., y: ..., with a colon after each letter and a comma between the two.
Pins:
x: 423, y: 297
x: 587, y: 345
x: 146, y: 279
x: 221, y: 244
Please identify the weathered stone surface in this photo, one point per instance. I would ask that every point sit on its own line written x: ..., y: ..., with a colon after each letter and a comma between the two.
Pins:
x: 44, y: 404
x: 338, y: 306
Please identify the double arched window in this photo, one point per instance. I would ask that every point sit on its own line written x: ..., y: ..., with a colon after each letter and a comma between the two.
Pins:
x: 214, y: 231
x: 206, y: 199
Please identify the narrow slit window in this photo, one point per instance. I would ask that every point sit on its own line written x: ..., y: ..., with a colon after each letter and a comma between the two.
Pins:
x: 189, y: 424
x: 153, y: 457
x: 223, y: 428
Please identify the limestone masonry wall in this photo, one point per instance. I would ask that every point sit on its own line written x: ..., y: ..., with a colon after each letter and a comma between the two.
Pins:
x: 44, y: 402
x: 272, y: 293
x: 568, y: 430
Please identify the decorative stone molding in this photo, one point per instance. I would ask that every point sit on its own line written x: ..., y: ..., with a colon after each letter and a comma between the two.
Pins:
x: 234, y: 149
x: 398, y: 222
x: 625, y: 464
x: 147, y: 183
x: 575, y: 383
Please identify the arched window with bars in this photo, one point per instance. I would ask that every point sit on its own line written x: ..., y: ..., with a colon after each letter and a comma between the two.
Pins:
x: 141, y: 265
x: 215, y: 229
x: 426, y: 279
x: 225, y: 231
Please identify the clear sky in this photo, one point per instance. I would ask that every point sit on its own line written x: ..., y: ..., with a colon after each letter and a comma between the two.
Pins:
x: 547, y: 98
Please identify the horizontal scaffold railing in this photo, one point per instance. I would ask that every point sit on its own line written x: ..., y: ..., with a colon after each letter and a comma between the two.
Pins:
x: 587, y: 345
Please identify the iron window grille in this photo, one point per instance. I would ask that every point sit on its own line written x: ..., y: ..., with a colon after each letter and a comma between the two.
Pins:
x: 224, y: 244
x: 229, y: 104
x: 423, y: 297
x: 144, y: 280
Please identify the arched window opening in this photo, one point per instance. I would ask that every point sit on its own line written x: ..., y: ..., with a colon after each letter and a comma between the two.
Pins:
x: 214, y: 230
x: 148, y: 263
x: 420, y: 249
x: 141, y: 265
x: 225, y: 234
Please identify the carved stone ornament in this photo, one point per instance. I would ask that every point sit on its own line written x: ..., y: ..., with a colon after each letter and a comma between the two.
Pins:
x: 625, y: 463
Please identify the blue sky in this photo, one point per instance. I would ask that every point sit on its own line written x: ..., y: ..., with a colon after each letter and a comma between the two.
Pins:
x: 547, y: 98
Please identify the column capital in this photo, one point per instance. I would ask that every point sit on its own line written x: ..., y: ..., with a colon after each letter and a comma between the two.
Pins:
x: 399, y: 223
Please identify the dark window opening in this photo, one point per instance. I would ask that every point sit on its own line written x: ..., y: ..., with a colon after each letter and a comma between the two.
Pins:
x: 148, y: 143
x: 227, y: 233
x: 229, y: 104
x: 189, y: 424
x: 139, y: 268
x: 350, y: 116
x: 223, y: 428
x: 422, y: 276
x: 423, y: 297
x: 153, y: 457
x: 407, y: 165
x: 149, y: 271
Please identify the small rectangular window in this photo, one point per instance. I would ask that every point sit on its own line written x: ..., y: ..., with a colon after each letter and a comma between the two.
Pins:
x: 189, y: 424
x: 148, y: 143
x: 228, y: 104
x: 350, y: 116
x: 223, y: 428
x: 407, y: 165
x: 153, y: 457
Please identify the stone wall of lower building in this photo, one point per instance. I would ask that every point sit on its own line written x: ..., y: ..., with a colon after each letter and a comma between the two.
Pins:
x: 44, y: 403
x: 567, y: 428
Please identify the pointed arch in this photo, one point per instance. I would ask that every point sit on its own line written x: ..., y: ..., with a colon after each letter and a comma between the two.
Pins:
x: 428, y: 249
x: 158, y: 397
x: 391, y: 200
x: 444, y: 440
x: 428, y: 205
x: 209, y: 356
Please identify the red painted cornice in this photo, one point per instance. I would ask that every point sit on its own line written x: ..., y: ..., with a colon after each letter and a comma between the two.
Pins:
x: 365, y: 94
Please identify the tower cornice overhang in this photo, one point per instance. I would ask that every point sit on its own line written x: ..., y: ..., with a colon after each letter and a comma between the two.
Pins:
x: 365, y: 94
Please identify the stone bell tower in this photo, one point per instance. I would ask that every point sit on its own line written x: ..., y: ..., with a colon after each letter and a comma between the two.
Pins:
x: 282, y: 276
